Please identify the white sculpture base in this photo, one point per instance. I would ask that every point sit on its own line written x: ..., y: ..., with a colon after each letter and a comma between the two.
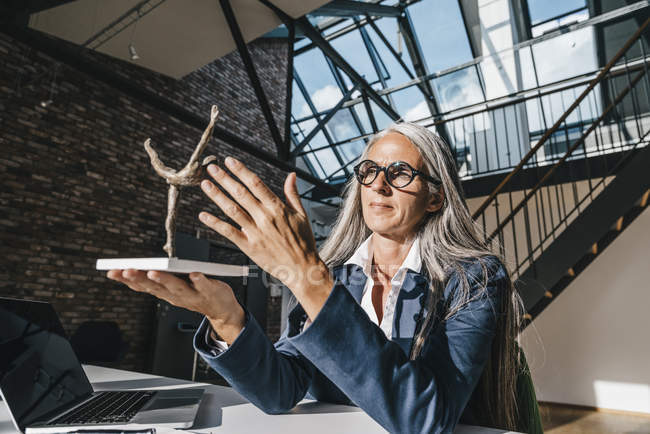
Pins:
x: 172, y: 265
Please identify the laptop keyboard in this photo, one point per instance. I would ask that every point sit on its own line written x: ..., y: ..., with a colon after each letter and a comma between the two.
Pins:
x: 107, y: 408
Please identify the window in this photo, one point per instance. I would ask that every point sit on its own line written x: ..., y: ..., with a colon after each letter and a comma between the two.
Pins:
x: 548, y: 15
x: 441, y: 32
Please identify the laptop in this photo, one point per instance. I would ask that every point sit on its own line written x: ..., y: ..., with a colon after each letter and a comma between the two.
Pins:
x: 46, y: 390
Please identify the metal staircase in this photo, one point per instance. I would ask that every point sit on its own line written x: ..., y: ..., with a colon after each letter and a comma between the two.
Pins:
x: 550, y: 219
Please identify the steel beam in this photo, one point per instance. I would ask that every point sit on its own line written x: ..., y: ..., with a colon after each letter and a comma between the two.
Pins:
x: 71, y: 56
x: 417, y: 58
x: 388, y: 45
x: 474, y: 45
x: 351, y: 8
x: 291, y: 39
x: 252, y: 75
x: 371, y: 115
x: 321, y: 123
x: 377, y: 63
x: 289, y: 88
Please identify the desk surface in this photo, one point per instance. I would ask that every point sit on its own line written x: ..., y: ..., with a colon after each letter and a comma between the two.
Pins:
x: 225, y: 410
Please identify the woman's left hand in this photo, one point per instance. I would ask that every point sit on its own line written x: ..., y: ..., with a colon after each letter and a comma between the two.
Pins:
x: 274, y: 235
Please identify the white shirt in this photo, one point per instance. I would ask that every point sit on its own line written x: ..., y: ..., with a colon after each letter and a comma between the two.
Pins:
x: 363, y: 258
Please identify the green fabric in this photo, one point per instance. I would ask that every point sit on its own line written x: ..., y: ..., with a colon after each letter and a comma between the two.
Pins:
x: 529, y: 420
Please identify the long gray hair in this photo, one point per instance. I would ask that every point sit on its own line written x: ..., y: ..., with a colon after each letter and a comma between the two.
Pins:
x: 448, y: 237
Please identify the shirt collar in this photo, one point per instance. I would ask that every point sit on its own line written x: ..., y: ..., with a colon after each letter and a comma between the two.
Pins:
x: 363, y: 258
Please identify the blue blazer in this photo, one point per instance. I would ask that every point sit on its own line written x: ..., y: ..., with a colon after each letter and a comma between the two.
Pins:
x: 343, y: 357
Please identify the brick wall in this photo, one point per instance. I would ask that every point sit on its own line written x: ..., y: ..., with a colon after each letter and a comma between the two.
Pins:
x: 77, y: 184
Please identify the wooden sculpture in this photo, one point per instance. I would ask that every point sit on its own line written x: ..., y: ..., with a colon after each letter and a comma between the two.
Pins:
x: 190, y: 175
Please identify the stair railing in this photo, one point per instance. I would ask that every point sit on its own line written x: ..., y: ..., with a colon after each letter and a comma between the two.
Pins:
x: 584, y: 158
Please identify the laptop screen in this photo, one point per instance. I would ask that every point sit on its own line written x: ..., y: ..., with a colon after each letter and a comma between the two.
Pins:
x: 39, y: 371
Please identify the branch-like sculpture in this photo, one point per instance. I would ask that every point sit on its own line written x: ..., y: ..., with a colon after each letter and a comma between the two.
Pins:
x: 190, y: 175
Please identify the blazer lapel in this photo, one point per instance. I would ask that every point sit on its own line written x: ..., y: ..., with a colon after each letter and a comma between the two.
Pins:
x: 353, y: 278
x: 410, y: 306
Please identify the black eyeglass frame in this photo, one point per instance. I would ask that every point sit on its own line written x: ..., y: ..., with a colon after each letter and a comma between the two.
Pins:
x: 414, y: 173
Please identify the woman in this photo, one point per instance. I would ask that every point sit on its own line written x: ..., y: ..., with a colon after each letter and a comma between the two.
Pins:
x: 404, y: 312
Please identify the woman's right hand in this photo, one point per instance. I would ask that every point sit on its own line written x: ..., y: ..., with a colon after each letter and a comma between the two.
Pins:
x: 212, y: 298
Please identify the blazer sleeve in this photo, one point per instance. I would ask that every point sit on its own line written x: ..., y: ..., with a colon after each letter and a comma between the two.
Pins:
x: 427, y: 394
x: 273, y: 379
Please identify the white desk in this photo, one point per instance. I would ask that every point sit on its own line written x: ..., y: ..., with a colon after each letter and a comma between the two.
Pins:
x: 225, y: 411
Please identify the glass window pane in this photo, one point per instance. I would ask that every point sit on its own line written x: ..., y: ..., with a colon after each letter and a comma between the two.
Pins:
x: 305, y: 127
x: 458, y: 89
x: 361, y: 112
x: 352, y: 150
x: 311, y: 159
x: 541, y: 10
x: 342, y: 126
x: 381, y: 117
x: 301, y: 42
x: 327, y: 159
x: 554, y: 24
x: 345, y: 23
x: 353, y: 50
x: 527, y: 68
x: 396, y: 73
x: 499, y: 73
x: 318, y: 79
x: 317, y: 141
x: 576, y: 49
x: 537, y: 120
x: 299, y: 107
x: 411, y: 104
x: 441, y: 32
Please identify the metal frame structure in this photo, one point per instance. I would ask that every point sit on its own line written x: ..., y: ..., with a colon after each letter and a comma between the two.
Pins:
x: 349, y: 11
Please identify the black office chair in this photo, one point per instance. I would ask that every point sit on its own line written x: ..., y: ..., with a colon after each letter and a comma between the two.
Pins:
x: 99, y: 342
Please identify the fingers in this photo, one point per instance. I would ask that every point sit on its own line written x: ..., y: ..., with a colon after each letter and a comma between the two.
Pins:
x: 170, y: 282
x: 260, y: 192
x: 202, y: 283
x: 225, y: 229
x: 228, y: 206
x: 292, y: 195
x: 236, y: 190
x: 252, y: 181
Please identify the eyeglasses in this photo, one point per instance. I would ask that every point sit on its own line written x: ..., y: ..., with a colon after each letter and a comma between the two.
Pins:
x: 398, y: 174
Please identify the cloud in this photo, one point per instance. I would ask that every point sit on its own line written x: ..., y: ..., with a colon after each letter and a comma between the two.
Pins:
x: 323, y: 99
x: 341, y: 125
x: 420, y: 111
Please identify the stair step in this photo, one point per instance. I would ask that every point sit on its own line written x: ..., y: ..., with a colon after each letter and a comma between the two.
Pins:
x: 619, y: 224
x: 613, y: 210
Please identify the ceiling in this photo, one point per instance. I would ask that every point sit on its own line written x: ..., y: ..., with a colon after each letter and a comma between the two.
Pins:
x: 175, y: 38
